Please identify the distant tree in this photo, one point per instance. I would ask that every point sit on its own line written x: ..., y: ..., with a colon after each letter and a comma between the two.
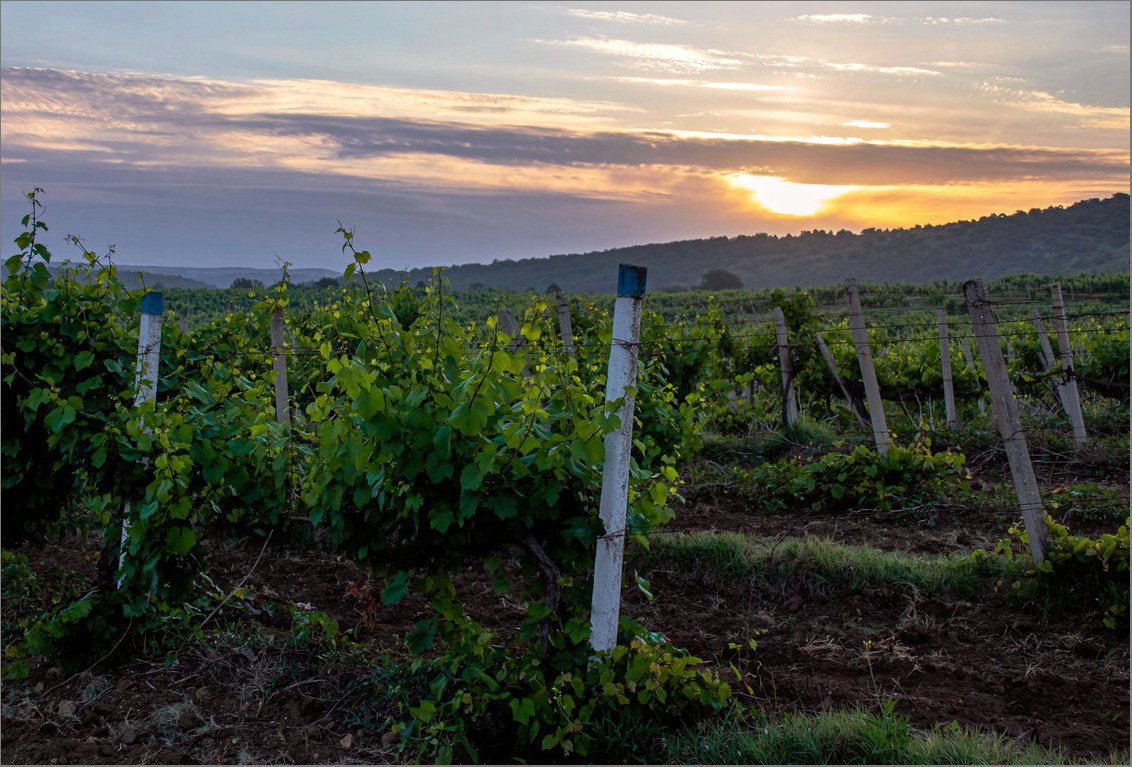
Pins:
x: 553, y: 288
x: 326, y: 282
x: 720, y: 279
x: 246, y: 283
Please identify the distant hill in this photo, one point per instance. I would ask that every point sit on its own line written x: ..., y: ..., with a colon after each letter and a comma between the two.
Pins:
x: 1089, y: 236
x: 205, y: 277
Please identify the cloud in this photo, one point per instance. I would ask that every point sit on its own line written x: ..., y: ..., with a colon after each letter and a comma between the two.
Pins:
x: 962, y: 21
x: 471, y: 141
x: 746, y: 87
x: 865, y: 18
x: 1040, y: 101
x: 669, y: 82
x: 447, y: 161
x: 902, y: 71
x: 624, y: 17
x: 656, y: 56
x: 838, y: 18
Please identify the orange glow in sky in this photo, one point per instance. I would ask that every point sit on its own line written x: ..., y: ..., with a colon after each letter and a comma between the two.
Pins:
x: 781, y: 196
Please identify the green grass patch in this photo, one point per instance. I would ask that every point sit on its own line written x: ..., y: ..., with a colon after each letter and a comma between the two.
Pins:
x: 746, y: 556
x: 852, y: 736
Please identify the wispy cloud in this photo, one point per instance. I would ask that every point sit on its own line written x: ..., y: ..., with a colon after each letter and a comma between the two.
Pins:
x: 865, y: 18
x: 838, y: 18
x: 962, y: 21
x: 656, y: 56
x: 1040, y: 101
x: 865, y: 124
x: 872, y: 69
x: 669, y: 82
x: 747, y: 87
x: 624, y: 17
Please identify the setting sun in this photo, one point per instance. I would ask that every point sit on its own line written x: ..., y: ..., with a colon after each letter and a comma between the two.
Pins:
x: 781, y: 196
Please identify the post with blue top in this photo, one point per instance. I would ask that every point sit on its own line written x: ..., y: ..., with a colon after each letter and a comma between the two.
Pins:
x: 145, y: 383
x: 623, y: 352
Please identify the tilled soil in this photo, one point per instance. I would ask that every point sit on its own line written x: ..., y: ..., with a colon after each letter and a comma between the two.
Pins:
x: 980, y: 663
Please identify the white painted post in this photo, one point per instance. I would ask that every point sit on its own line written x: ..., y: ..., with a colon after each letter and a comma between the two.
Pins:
x: 789, y: 401
x: 1005, y: 411
x: 623, y: 352
x: 1071, y: 398
x: 945, y: 360
x: 279, y: 363
x: 145, y: 383
x: 868, y: 372
x: 855, y: 403
x: 565, y: 327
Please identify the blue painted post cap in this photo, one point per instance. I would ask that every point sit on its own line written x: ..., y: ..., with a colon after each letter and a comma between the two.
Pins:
x: 631, y: 281
x: 151, y: 302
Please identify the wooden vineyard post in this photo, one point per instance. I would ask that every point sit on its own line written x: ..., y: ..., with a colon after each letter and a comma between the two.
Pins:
x: 945, y: 361
x: 1005, y: 411
x: 565, y: 328
x: 854, y: 401
x: 510, y: 327
x: 971, y: 364
x: 789, y: 402
x: 967, y: 352
x: 1047, y: 358
x: 279, y: 363
x: 623, y: 352
x: 145, y: 384
x: 1048, y: 361
x: 1070, y: 397
x: 868, y: 372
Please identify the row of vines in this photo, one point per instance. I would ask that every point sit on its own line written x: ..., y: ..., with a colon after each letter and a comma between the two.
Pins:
x: 420, y: 441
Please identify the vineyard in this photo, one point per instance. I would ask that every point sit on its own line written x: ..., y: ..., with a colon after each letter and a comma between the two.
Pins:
x: 360, y: 522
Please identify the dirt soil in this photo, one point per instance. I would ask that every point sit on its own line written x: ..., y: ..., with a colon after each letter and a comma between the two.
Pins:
x: 982, y: 664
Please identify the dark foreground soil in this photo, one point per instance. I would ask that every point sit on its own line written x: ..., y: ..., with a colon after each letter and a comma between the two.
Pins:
x: 982, y: 664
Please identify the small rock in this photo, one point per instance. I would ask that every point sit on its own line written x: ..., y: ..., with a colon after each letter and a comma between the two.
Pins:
x: 347, y: 741
x: 39, y: 687
x: 313, y: 732
x: 188, y: 719
x: 67, y: 708
x: 127, y: 734
x: 389, y: 738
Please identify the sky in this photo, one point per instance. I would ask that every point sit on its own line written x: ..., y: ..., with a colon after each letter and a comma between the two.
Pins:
x: 243, y: 134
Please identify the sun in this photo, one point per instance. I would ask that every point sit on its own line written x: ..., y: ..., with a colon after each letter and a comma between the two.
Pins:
x: 781, y: 196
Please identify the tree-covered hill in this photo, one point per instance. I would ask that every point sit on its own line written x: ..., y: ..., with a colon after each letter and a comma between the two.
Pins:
x: 1089, y: 236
